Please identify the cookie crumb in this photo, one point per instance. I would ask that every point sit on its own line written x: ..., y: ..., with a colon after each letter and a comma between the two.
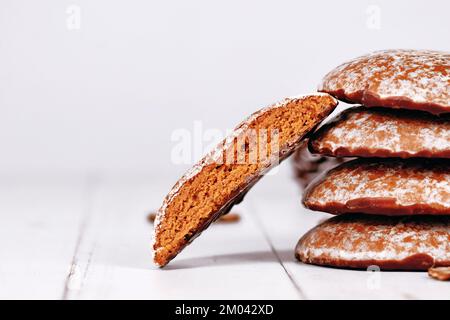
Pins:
x: 229, y: 218
x: 151, y: 217
x: 441, y: 273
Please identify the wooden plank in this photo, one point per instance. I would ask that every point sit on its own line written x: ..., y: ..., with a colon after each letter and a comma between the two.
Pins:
x: 317, y: 282
x: 76, y: 241
x: 227, y: 261
x: 40, y: 224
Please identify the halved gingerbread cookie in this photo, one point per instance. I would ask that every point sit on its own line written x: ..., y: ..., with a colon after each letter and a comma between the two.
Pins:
x: 382, y: 132
x: 411, y: 79
x: 389, y: 243
x: 383, y: 186
x: 221, y: 179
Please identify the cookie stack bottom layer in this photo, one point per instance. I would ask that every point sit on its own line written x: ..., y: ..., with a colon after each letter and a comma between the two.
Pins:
x: 390, y: 243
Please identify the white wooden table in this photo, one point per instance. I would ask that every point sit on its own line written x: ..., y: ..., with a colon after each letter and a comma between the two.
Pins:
x: 90, y: 240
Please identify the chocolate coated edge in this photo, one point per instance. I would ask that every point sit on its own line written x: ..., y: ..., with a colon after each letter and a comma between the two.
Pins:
x: 369, y: 205
x: 370, y: 99
x: 364, y: 152
x: 416, y: 262
x: 385, y: 206
x: 380, y: 153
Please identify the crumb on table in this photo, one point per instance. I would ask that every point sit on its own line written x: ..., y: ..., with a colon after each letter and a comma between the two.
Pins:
x: 441, y: 273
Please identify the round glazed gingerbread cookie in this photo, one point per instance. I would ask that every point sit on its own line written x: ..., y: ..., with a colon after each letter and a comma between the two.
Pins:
x: 391, y: 243
x: 221, y: 179
x: 383, y: 186
x: 308, y: 166
x: 383, y: 132
x: 411, y: 79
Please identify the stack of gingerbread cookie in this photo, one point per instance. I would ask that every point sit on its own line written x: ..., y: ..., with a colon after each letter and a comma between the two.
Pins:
x: 393, y: 201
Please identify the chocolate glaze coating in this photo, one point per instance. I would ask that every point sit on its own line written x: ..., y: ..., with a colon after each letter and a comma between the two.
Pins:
x: 409, y: 79
x: 383, y: 186
x: 391, y: 243
x: 384, y: 133
x: 308, y: 166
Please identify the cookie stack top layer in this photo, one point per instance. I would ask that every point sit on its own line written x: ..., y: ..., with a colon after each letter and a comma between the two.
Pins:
x: 410, y: 79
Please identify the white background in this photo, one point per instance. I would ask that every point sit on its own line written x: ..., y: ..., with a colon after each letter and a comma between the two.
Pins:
x: 86, y: 118
x: 107, y: 97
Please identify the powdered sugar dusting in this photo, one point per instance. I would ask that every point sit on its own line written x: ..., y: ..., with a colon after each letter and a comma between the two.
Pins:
x: 383, y: 131
x: 361, y: 238
x: 409, y: 183
x: 421, y: 76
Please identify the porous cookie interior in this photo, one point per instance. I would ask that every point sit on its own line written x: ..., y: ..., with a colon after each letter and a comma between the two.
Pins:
x: 200, y: 199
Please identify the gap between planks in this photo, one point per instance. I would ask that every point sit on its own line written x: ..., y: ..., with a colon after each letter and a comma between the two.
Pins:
x: 78, y: 271
x: 260, y: 224
x: 77, y: 278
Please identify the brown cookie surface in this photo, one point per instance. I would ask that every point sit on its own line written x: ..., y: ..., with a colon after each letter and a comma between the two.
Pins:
x: 440, y: 273
x: 222, y: 178
x: 410, y: 79
x: 383, y: 186
x: 308, y: 166
x: 383, y: 132
x: 390, y: 243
